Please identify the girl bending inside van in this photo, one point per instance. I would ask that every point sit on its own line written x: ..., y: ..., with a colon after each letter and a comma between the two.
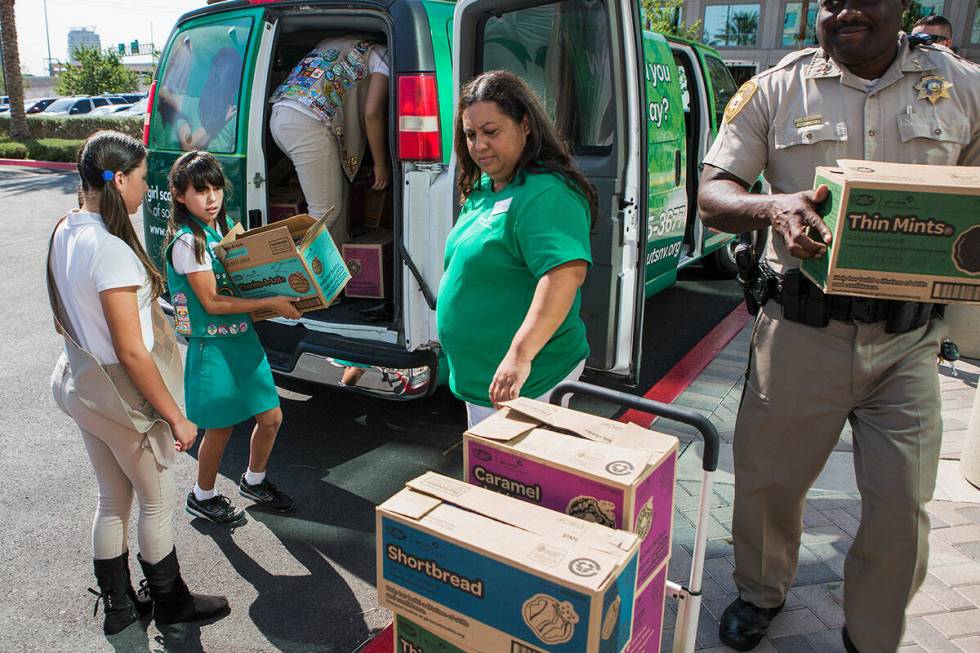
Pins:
x: 117, y: 379
x: 227, y: 377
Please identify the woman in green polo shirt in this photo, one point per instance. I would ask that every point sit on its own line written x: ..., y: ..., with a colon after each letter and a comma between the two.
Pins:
x: 508, y: 311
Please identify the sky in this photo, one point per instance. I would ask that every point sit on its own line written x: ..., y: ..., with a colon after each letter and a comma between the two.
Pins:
x: 115, y: 21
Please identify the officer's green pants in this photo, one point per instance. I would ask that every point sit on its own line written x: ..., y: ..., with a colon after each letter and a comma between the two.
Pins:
x: 803, y: 383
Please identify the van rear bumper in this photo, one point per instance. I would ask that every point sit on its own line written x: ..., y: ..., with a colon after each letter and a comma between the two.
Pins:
x: 374, y: 368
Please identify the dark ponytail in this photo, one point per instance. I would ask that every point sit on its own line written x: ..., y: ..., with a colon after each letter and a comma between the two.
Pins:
x: 198, y: 169
x: 114, y: 152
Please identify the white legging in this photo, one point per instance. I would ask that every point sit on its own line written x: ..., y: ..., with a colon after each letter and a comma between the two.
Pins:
x: 122, y: 466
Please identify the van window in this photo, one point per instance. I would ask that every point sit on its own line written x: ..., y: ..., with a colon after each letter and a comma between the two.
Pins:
x: 562, y: 50
x: 722, y: 85
x: 199, y: 89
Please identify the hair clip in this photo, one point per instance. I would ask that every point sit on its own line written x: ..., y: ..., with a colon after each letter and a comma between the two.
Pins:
x: 107, y: 175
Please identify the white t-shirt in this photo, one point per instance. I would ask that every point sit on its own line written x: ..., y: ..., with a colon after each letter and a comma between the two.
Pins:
x: 184, y: 258
x: 86, y: 260
x: 377, y: 62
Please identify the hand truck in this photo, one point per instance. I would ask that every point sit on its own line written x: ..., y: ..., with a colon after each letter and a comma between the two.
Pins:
x: 688, y: 596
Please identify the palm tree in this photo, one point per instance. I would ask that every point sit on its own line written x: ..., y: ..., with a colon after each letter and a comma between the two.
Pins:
x: 11, y: 65
x: 742, y: 28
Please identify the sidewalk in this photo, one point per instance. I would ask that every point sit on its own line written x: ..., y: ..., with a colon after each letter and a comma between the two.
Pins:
x: 944, y: 615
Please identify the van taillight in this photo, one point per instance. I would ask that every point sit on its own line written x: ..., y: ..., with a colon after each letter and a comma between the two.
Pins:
x: 149, y: 113
x: 418, y: 118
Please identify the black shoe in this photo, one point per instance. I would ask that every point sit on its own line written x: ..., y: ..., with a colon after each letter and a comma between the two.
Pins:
x: 116, y: 594
x: 217, y: 509
x: 743, y: 625
x: 267, y: 494
x: 848, y: 644
x: 173, y: 603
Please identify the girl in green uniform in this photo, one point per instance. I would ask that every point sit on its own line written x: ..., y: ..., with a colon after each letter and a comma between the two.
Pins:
x: 227, y: 378
x: 508, y: 312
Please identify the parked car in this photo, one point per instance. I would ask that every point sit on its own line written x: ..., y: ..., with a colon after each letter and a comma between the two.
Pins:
x: 136, y: 109
x: 133, y: 98
x: 38, y: 105
x: 4, y: 103
x: 78, y: 105
x: 113, y: 98
x: 604, y: 92
x: 110, y: 110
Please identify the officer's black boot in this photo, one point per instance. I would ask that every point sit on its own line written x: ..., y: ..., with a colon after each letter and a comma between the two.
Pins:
x: 743, y: 625
x: 172, y: 601
x: 116, y: 593
x: 848, y: 644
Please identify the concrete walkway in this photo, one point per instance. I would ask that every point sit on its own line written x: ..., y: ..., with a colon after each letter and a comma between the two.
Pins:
x: 945, y: 614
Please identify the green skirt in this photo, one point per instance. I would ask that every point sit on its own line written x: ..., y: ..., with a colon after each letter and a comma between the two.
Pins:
x: 227, y: 380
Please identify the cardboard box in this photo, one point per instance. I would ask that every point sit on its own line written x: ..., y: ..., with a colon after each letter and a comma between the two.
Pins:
x: 648, y: 624
x: 377, y: 209
x: 648, y: 614
x: 370, y: 261
x: 901, y: 231
x: 490, y: 573
x: 295, y: 258
x: 612, y: 473
x: 285, y: 202
x: 412, y: 638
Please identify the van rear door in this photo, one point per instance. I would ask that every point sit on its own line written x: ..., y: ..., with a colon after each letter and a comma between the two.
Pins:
x: 584, y: 59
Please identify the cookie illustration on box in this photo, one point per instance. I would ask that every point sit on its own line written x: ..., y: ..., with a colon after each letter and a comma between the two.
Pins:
x: 644, y: 520
x: 299, y: 282
x: 553, y: 622
x: 317, y: 266
x: 966, y: 251
x: 593, y: 510
x: 355, y: 267
x: 612, y: 618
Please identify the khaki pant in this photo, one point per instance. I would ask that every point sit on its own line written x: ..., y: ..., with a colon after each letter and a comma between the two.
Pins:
x: 803, y: 383
x: 315, y: 153
x: 125, y: 463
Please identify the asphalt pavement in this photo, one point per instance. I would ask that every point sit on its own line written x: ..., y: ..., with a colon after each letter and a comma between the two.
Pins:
x: 302, y: 582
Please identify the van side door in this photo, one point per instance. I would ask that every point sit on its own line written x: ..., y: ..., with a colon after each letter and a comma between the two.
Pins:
x: 584, y: 60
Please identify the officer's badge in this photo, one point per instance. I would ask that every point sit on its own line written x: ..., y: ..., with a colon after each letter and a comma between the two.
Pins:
x: 740, y: 99
x: 933, y: 88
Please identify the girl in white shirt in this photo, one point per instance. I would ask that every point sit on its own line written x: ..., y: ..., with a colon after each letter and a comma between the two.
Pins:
x: 106, y: 285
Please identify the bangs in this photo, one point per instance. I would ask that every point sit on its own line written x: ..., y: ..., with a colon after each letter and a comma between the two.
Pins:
x: 203, y: 172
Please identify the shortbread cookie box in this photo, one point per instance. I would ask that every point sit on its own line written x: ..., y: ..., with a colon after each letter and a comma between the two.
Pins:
x: 612, y: 473
x: 490, y: 573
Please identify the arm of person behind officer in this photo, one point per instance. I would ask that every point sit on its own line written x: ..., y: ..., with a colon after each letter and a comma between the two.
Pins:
x: 741, y: 152
x: 375, y: 124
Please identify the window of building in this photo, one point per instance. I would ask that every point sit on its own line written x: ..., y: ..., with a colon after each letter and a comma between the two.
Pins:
x: 791, y: 25
x: 731, y: 25
x: 932, y: 6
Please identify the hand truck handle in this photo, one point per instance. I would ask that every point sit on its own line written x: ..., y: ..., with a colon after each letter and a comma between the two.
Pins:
x: 676, y: 413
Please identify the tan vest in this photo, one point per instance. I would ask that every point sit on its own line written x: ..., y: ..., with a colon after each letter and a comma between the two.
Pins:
x: 101, y: 397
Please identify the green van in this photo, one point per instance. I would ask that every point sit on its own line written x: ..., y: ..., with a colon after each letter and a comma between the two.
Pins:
x: 639, y: 111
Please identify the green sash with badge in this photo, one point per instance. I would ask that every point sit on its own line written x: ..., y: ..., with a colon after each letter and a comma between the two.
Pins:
x: 190, y: 317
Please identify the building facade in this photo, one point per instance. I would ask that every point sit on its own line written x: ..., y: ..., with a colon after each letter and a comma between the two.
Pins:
x: 82, y: 37
x: 753, y: 36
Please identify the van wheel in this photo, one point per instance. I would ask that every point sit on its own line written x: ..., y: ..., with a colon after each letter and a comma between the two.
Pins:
x: 721, y: 262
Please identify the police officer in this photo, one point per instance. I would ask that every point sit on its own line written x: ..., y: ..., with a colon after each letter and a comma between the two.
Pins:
x: 818, y: 360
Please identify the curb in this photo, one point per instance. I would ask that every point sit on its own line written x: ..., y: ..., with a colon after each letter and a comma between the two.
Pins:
x: 680, y: 376
x: 31, y: 163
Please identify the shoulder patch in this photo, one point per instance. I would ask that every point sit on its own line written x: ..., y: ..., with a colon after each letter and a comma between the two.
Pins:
x: 740, y: 99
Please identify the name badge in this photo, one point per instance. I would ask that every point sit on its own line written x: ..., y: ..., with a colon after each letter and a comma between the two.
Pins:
x: 808, y: 121
x: 501, y: 206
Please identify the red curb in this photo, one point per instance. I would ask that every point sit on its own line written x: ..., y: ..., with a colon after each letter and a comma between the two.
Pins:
x: 690, y: 367
x: 31, y: 163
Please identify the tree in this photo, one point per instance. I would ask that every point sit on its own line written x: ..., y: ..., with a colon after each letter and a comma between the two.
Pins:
x: 13, y: 82
x: 663, y: 17
x: 912, y: 15
x: 96, y: 72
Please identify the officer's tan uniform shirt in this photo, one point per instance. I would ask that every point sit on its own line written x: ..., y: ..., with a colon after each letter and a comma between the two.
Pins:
x: 807, y: 111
